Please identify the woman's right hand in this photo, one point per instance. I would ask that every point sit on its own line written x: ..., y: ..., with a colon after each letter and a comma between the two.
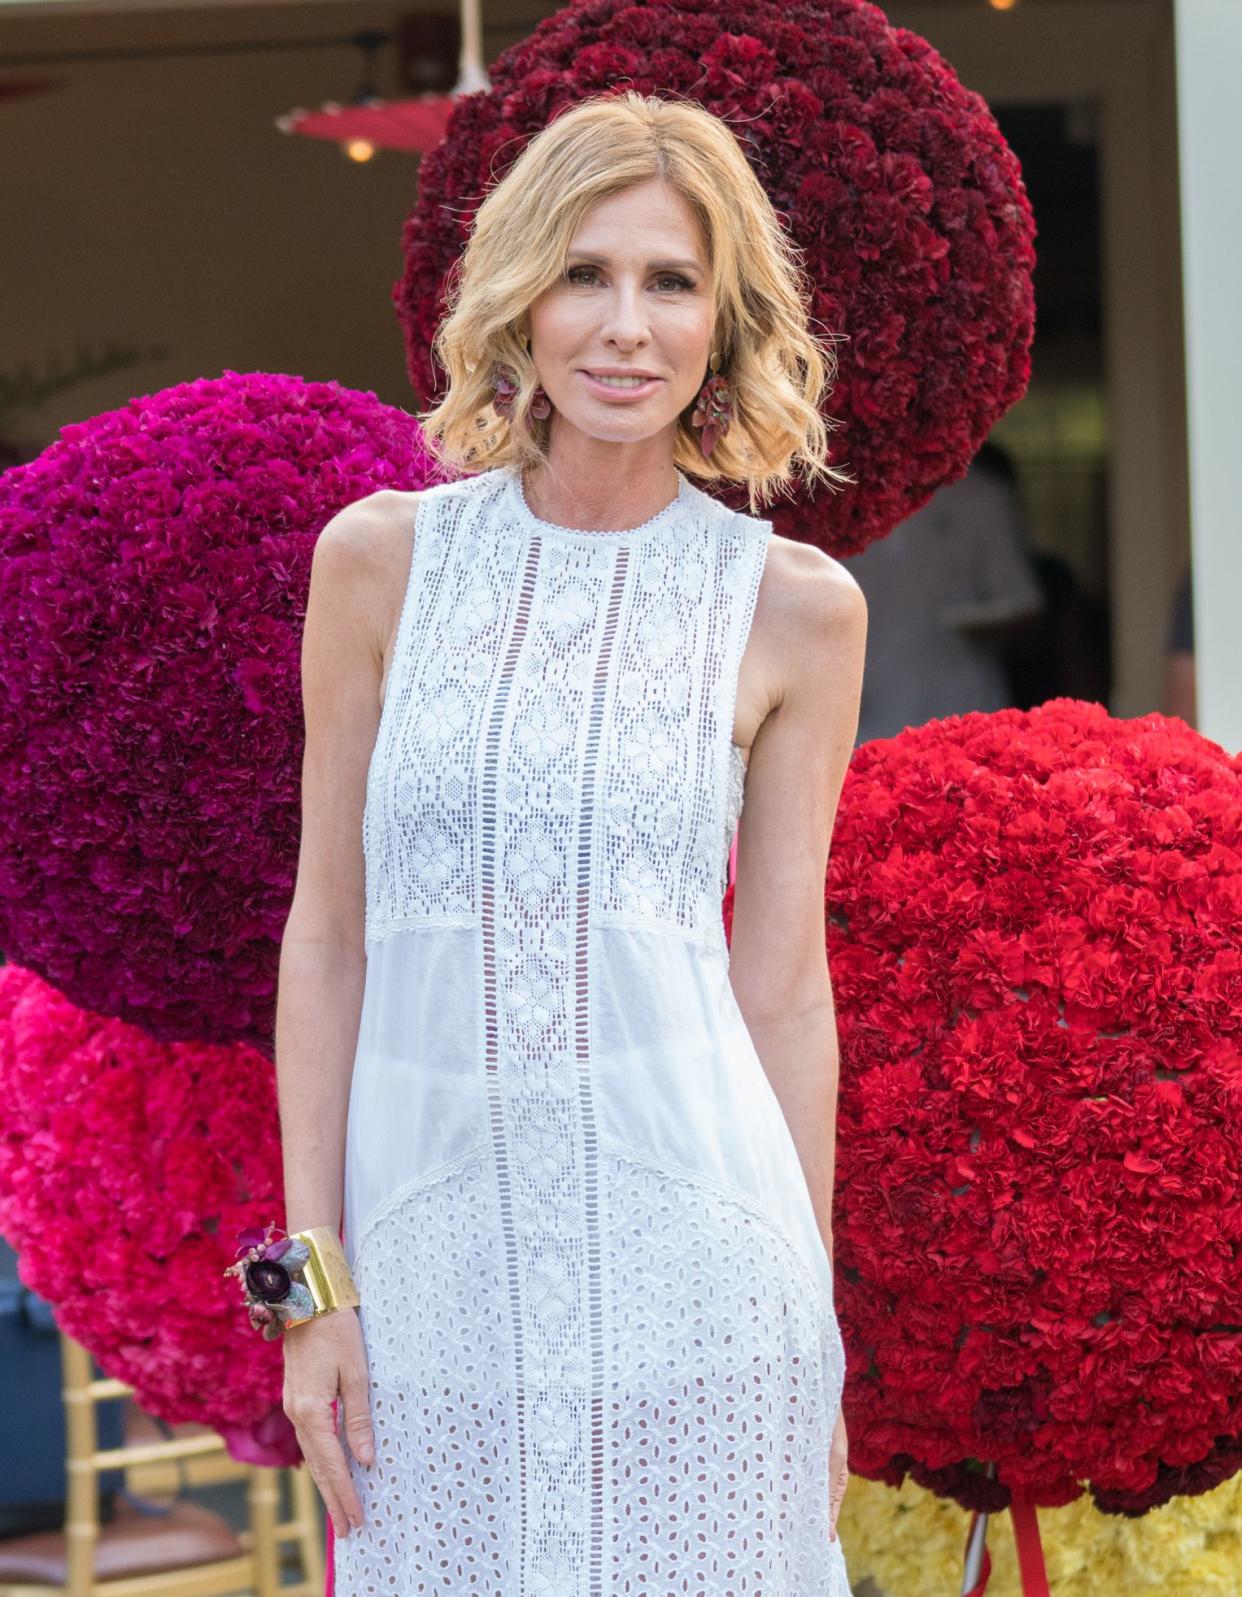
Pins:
x: 326, y: 1357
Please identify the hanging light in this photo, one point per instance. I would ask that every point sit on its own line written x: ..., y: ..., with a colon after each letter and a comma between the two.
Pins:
x: 1002, y: 5
x: 368, y: 123
x: 414, y: 125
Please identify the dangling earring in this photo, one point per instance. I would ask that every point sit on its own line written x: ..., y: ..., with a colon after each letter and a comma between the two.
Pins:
x: 505, y: 389
x: 713, y: 409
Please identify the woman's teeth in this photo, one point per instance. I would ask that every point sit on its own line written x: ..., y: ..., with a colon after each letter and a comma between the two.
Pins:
x: 622, y: 382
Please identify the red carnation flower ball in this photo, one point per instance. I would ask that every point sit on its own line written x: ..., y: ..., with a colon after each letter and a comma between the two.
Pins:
x: 891, y: 177
x: 154, y: 564
x: 128, y: 1168
x: 1034, y: 928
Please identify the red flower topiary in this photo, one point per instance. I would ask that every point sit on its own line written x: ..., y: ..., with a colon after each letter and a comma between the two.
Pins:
x: 892, y: 178
x: 128, y: 1168
x: 154, y: 564
x: 1034, y: 928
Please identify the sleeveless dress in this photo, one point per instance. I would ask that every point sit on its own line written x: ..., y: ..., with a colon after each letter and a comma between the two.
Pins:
x: 598, y: 1313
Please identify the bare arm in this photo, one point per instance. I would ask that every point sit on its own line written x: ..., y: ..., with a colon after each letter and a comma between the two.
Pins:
x: 322, y: 956
x: 349, y: 613
x: 778, y: 964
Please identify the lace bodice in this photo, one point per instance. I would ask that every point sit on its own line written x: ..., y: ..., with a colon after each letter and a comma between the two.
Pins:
x: 643, y: 629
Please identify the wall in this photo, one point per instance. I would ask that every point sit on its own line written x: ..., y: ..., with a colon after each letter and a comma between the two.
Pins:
x: 1209, y: 49
x: 154, y: 204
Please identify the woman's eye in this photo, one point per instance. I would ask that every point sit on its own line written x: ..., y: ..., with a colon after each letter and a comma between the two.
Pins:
x: 664, y: 277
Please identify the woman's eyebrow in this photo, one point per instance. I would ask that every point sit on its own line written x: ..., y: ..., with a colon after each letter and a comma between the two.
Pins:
x: 602, y: 260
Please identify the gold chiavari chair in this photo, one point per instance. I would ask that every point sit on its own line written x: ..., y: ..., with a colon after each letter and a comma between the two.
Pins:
x: 185, y: 1550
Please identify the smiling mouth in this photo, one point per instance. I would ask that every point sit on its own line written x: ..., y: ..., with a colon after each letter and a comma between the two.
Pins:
x: 621, y: 383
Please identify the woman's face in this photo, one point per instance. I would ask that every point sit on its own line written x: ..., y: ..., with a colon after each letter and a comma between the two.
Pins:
x: 636, y: 295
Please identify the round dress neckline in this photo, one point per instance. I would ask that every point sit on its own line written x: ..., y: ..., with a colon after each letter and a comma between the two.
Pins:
x: 517, y: 498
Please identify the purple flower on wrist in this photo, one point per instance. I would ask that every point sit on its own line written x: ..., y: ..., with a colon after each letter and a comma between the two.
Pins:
x: 266, y: 1267
x: 268, y: 1280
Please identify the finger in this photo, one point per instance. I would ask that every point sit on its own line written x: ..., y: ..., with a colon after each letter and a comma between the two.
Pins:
x: 334, y: 1507
x: 835, y: 1501
x: 358, y: 1432
x: 336, y: 1472
x: 331, y: 1507
x: 330, y: 1470
x: 312, y: 1452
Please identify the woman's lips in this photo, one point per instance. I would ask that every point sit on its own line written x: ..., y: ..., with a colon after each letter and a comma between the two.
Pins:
x: 631, y: 391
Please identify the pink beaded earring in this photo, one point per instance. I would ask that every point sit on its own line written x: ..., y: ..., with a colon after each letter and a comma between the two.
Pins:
x: 713, y: 409
x: 504, y: 386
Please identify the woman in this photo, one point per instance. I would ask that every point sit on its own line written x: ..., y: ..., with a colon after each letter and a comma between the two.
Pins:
x: 584, y: 1156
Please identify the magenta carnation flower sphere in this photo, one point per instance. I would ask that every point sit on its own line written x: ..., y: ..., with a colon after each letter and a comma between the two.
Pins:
x: 891, y: 177
x: 127, y: 1169
x: 154, y: 565
x: 1034, y: 927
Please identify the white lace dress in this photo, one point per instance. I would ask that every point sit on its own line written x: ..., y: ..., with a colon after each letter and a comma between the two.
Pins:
x: 598, y: 1313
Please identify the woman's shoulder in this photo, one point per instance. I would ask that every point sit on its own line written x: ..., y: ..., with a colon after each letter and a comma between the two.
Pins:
x: 808, y: 604
x: 364, y: 536
x: 375, y: 533
x: 809, y: 575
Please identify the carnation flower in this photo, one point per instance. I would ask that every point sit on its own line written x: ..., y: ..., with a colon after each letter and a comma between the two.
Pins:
x: 1034, y: 927
x: 109, y: 1225
x: 154, y: 565
x: 909, y: 1541
x: 892, y: 178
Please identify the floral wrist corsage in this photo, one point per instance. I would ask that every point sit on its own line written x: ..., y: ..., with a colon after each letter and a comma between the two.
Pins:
x: 266, y: 1266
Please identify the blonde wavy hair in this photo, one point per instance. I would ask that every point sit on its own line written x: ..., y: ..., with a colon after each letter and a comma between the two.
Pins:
x: 778, y: 369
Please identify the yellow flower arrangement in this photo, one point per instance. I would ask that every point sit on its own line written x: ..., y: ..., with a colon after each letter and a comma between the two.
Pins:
x: 909, y: 1543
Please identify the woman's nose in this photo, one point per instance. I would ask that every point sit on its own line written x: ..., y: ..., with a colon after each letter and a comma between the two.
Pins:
x: 625, y: 314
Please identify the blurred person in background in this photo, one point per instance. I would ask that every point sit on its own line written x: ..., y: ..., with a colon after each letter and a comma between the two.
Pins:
x: 948, y: 592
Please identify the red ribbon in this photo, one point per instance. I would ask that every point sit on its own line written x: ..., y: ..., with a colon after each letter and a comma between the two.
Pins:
x: 1030, y: 1553
x: 1030, y: 1550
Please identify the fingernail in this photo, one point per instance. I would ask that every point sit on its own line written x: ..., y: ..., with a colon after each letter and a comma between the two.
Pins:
x: 366, y: 1453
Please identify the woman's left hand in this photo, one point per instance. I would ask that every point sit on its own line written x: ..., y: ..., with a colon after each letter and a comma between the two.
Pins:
x: 838, y: 1473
